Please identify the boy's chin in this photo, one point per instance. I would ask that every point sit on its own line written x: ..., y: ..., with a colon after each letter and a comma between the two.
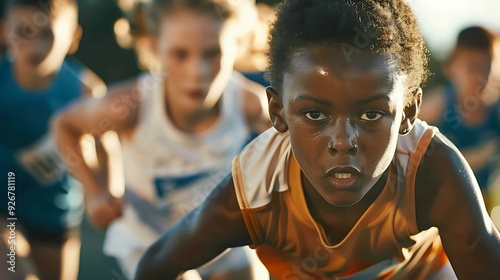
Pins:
x: 343, y: 201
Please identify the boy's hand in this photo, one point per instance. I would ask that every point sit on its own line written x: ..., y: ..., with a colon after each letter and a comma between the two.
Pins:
x: 103, y: 208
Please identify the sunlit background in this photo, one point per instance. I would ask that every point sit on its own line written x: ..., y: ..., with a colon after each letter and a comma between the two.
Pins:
x: 441, y: 20
x: 102, y: 52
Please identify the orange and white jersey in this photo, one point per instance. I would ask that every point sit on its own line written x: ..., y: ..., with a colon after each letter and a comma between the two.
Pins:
x: 385, y: 243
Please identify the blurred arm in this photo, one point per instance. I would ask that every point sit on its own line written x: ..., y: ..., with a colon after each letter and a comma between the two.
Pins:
x: 113, y: 112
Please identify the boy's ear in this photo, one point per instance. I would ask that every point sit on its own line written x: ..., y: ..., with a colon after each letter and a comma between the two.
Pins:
x: 410, y: 112
x: 276, y: 110
x: 75, y: 41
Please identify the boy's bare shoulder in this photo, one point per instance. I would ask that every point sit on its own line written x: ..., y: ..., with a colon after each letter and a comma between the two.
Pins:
x: 440, y: 148
x: 441, y: 163
x: 444, y: 183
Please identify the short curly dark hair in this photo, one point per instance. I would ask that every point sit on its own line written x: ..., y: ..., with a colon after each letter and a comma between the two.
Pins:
x: 389, y: 26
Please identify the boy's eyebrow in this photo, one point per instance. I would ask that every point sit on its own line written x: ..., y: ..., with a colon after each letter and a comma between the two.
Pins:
x: 359, y: 102
x: 313, y: 99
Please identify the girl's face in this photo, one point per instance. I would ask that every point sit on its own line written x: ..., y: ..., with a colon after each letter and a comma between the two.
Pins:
x: 343, y: 118
x: 197, y: 53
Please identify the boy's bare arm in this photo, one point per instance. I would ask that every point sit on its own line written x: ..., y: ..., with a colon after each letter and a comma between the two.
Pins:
x: 448, y: 197
x: 207, y: 231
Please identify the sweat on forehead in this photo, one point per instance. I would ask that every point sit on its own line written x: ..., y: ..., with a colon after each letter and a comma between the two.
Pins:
x: 333, y: 58
x: 386, y: 26
x: 310, y: 67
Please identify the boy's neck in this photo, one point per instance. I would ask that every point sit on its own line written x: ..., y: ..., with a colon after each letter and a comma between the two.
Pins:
x: 31, y: 80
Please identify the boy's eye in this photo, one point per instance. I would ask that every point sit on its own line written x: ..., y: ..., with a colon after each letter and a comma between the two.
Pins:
x: 315, y: 116
x: 371, y: 116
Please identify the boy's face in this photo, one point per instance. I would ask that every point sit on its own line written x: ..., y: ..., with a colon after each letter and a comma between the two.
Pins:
x: 469, y: 71
x: 343, y: 119
x: 39, y: 42
x: 197, y: 52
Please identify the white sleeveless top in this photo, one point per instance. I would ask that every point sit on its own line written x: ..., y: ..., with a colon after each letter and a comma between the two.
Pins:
x: 168, y: 172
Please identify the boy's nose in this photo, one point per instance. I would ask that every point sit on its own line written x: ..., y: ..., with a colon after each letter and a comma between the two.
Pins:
x: 343, y: 137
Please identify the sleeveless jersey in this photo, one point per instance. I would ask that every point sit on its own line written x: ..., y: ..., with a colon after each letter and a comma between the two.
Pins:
x: 384, y: 243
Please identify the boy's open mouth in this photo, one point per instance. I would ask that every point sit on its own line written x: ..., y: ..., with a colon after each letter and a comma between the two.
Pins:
x: 343, y: 177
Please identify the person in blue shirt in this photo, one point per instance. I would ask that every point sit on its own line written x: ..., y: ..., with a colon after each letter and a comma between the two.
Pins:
x: 466, y: 109
x: 36, y: 81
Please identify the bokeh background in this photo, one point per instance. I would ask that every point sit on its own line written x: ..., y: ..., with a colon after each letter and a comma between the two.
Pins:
x: 440, y: 22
